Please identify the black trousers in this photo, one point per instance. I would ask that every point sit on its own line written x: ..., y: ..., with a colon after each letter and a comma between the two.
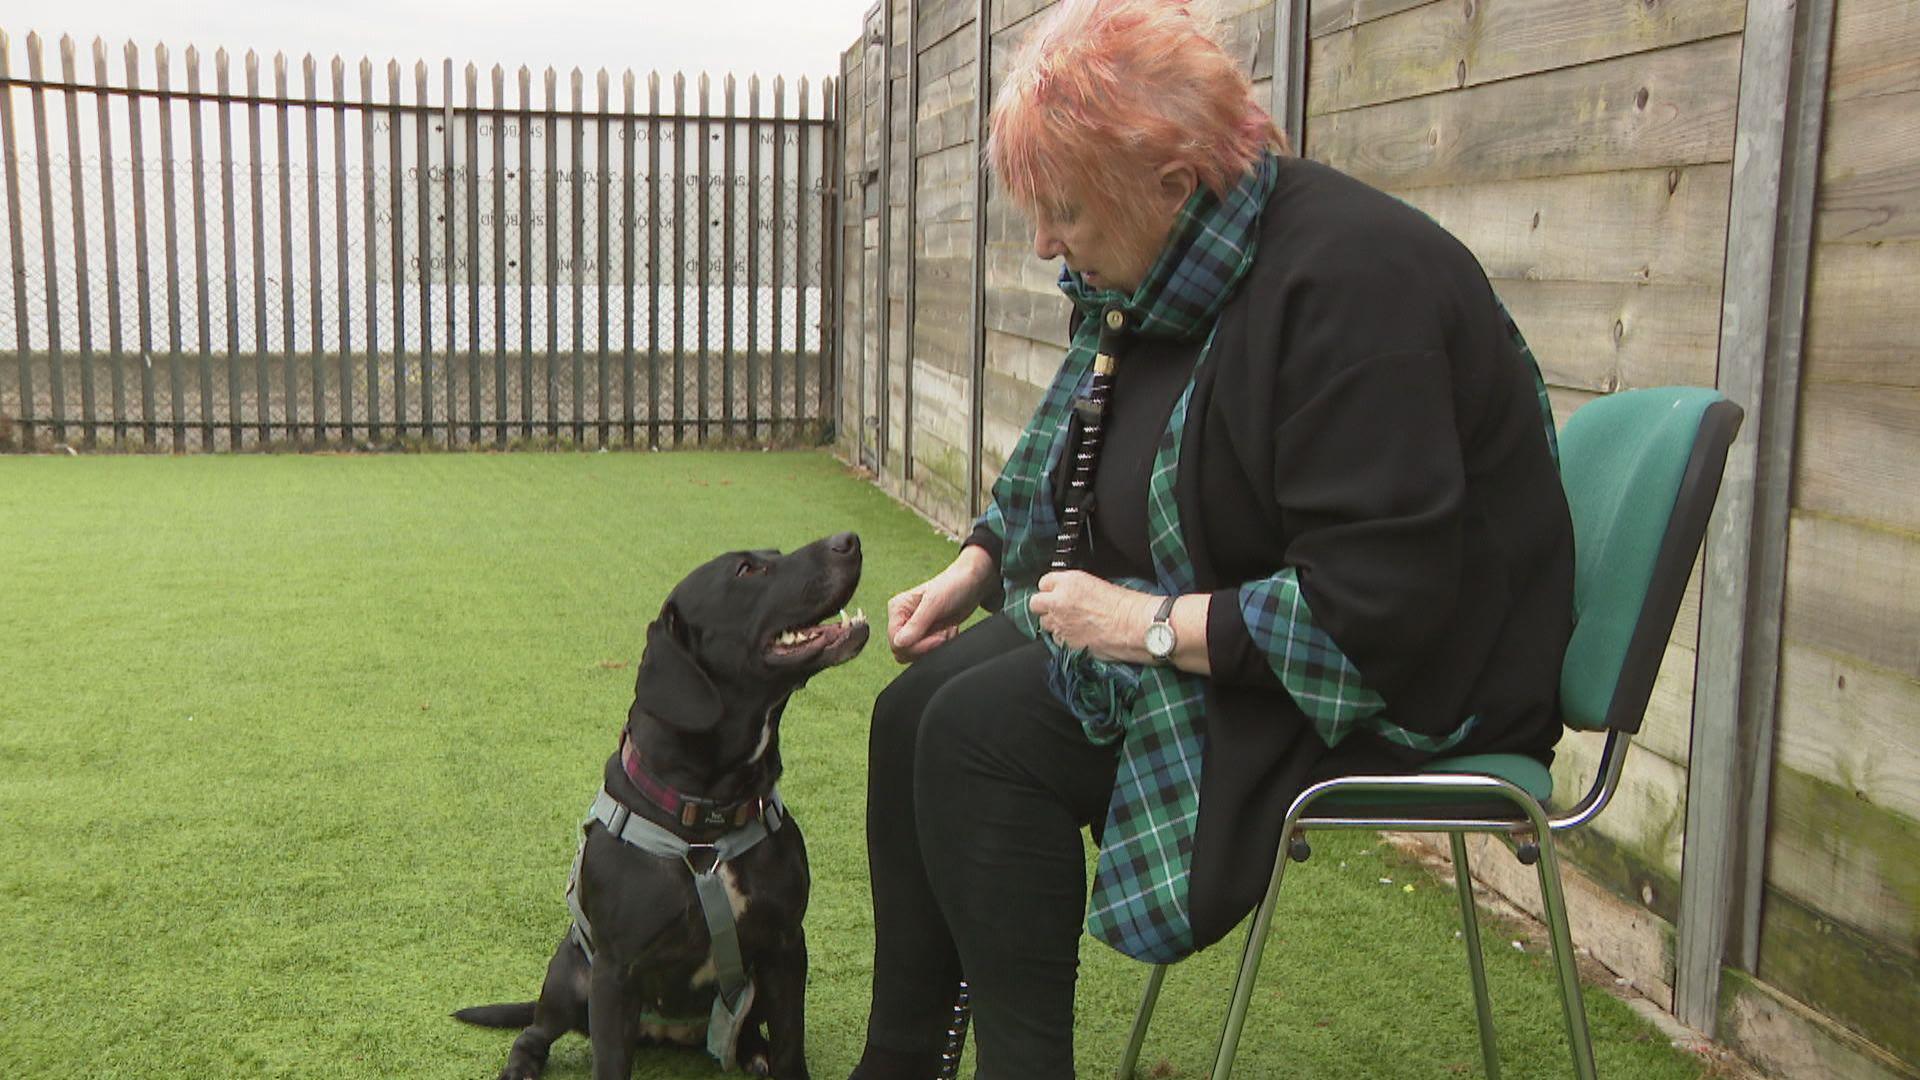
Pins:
x: 978, y: 784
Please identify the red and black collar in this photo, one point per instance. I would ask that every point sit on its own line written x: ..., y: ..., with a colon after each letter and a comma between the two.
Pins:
x: 691, y: 811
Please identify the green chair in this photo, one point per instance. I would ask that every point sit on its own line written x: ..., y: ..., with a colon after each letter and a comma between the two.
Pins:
x: 1641, y: 470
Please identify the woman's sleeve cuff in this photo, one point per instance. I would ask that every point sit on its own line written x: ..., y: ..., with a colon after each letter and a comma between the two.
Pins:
x: 1231, y: 654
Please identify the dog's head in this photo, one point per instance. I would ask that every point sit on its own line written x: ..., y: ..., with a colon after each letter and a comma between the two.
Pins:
x: 745, y: 630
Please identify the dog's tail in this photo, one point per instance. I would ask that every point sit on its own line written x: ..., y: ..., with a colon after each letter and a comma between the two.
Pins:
x: 517, y: 1014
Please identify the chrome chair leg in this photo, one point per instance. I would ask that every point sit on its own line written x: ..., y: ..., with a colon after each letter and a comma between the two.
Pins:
x: 1141, y: 1019
x: 1554, y: 901
x: 1250, y: 961
x: 1476, y: 960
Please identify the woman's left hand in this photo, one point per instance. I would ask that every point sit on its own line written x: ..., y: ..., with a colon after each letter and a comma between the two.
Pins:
x: 1082, y: 611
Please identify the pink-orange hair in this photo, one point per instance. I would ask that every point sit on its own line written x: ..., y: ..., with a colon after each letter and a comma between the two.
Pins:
x: 1106, y: 92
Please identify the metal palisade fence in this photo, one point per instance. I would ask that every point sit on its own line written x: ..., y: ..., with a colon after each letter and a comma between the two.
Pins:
x: 238, y: 265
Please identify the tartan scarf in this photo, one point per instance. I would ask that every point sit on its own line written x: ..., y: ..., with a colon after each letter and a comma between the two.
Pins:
x: 1139, y: 904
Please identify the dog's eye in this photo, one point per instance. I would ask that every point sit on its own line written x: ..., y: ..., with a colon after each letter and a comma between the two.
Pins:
x: 748, y: 568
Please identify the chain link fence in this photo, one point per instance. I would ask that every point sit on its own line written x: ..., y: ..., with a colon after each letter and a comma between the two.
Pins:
x: 588, y: 261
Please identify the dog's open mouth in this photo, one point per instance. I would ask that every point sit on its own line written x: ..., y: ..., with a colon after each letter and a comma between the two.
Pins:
x: 834, y: 640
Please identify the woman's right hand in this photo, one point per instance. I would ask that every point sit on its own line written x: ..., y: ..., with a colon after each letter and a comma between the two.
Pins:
x: 929, y: 615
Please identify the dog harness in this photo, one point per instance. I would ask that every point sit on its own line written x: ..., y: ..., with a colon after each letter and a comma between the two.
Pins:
x: 733, y: 995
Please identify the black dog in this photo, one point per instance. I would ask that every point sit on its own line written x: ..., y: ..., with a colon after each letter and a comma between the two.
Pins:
x: 697, y: 764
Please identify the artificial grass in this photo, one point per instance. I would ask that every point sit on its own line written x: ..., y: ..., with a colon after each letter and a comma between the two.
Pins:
x: 292, y: 752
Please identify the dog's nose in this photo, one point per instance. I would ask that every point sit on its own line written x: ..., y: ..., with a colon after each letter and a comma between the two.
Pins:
x: 845, y: 543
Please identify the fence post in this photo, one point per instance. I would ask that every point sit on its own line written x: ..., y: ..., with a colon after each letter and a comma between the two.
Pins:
x: 1776, y: 169
x: 500, y: 176
x: 753, y: 257
x: 50, y: 261
x: 802, y: 133
x: 575, y: 189
x: 727, y: 169
x: 344, y: 295
x: 201, y: 275
x: 601, y: 271
x: 289, y: 390
x: 316, y: 309
x: 702, y: 173
x: 83, y: 286
x: 472, y: 173
x: 229, y: 246
x: 977, y: 326
x: 16, y: 248
x: 110, y: 244
x: 629, y: 232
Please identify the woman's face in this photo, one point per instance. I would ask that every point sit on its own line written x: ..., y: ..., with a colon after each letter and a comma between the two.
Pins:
x: 1108, y: 254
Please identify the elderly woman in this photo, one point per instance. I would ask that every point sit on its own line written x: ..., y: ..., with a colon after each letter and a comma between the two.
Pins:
x: 1326, y: 534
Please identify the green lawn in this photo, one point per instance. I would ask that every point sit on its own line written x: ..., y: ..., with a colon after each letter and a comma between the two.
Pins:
x: 292, y: 751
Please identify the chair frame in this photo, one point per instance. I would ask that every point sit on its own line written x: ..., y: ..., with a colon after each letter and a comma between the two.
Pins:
x: 1533, y: 827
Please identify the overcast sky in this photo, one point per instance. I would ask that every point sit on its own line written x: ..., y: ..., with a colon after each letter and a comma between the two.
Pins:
x: 765, y: 37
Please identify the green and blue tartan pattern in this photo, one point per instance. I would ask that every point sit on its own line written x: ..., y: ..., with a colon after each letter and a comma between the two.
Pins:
x: 1139, y: 902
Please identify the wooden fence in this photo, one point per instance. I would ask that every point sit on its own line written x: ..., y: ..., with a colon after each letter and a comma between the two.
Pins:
x: 1651, y: 191
x: 195, y: 266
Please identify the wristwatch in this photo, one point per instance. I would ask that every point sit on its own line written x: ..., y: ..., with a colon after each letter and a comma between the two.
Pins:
x: 1160, y: 636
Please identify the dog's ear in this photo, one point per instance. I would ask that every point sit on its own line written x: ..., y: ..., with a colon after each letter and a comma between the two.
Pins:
x: 671, y: 685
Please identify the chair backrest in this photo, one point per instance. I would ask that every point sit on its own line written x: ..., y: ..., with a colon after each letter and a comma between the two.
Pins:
x: 1641, y: 470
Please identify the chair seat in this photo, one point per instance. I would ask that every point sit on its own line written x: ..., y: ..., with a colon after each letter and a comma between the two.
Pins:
x: 1524, y: 772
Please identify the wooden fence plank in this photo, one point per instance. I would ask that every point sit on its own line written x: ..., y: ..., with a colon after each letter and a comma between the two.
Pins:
x: 143, y: 278
x: 702, y: 173
x: 630, y: 238
x: 423, y: 250
x: 110, y: 242
x: 576, y: 228
x: 729, y: 229
x: 49, y: 249
x: 1672, y: 107
x: 397, y: 242
x: 1432, y: 48
x: 1604, y: 337
x: 290, y: 387
x: 776, y: 399
x: 83, y: 284
x: 1854, y: 863
x: 170, y: 248
x: 1854, y: 590
x: 1876, y: 49
x: 203, y: 283
x: 343, y: 289
x: 1859, y: 453
x: 316, y: 298
x: 525, y: 79
x: 16, y: 246
x: 1870, y: 170
x: 1850, y: 724
x: 1659, y: 226
x: 1331, y: 16
x: 370, y: 236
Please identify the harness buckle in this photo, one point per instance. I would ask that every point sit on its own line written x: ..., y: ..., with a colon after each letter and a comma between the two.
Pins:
x: 712, y: 853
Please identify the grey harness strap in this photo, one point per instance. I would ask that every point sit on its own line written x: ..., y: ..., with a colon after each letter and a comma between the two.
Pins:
x: 735, y: 990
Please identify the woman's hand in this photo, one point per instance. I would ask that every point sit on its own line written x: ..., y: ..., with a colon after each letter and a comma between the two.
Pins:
x: 928, y: 615
x: 1082, y: 611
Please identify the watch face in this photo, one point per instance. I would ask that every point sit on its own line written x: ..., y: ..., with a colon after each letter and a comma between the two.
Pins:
x: 1160, y: 640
